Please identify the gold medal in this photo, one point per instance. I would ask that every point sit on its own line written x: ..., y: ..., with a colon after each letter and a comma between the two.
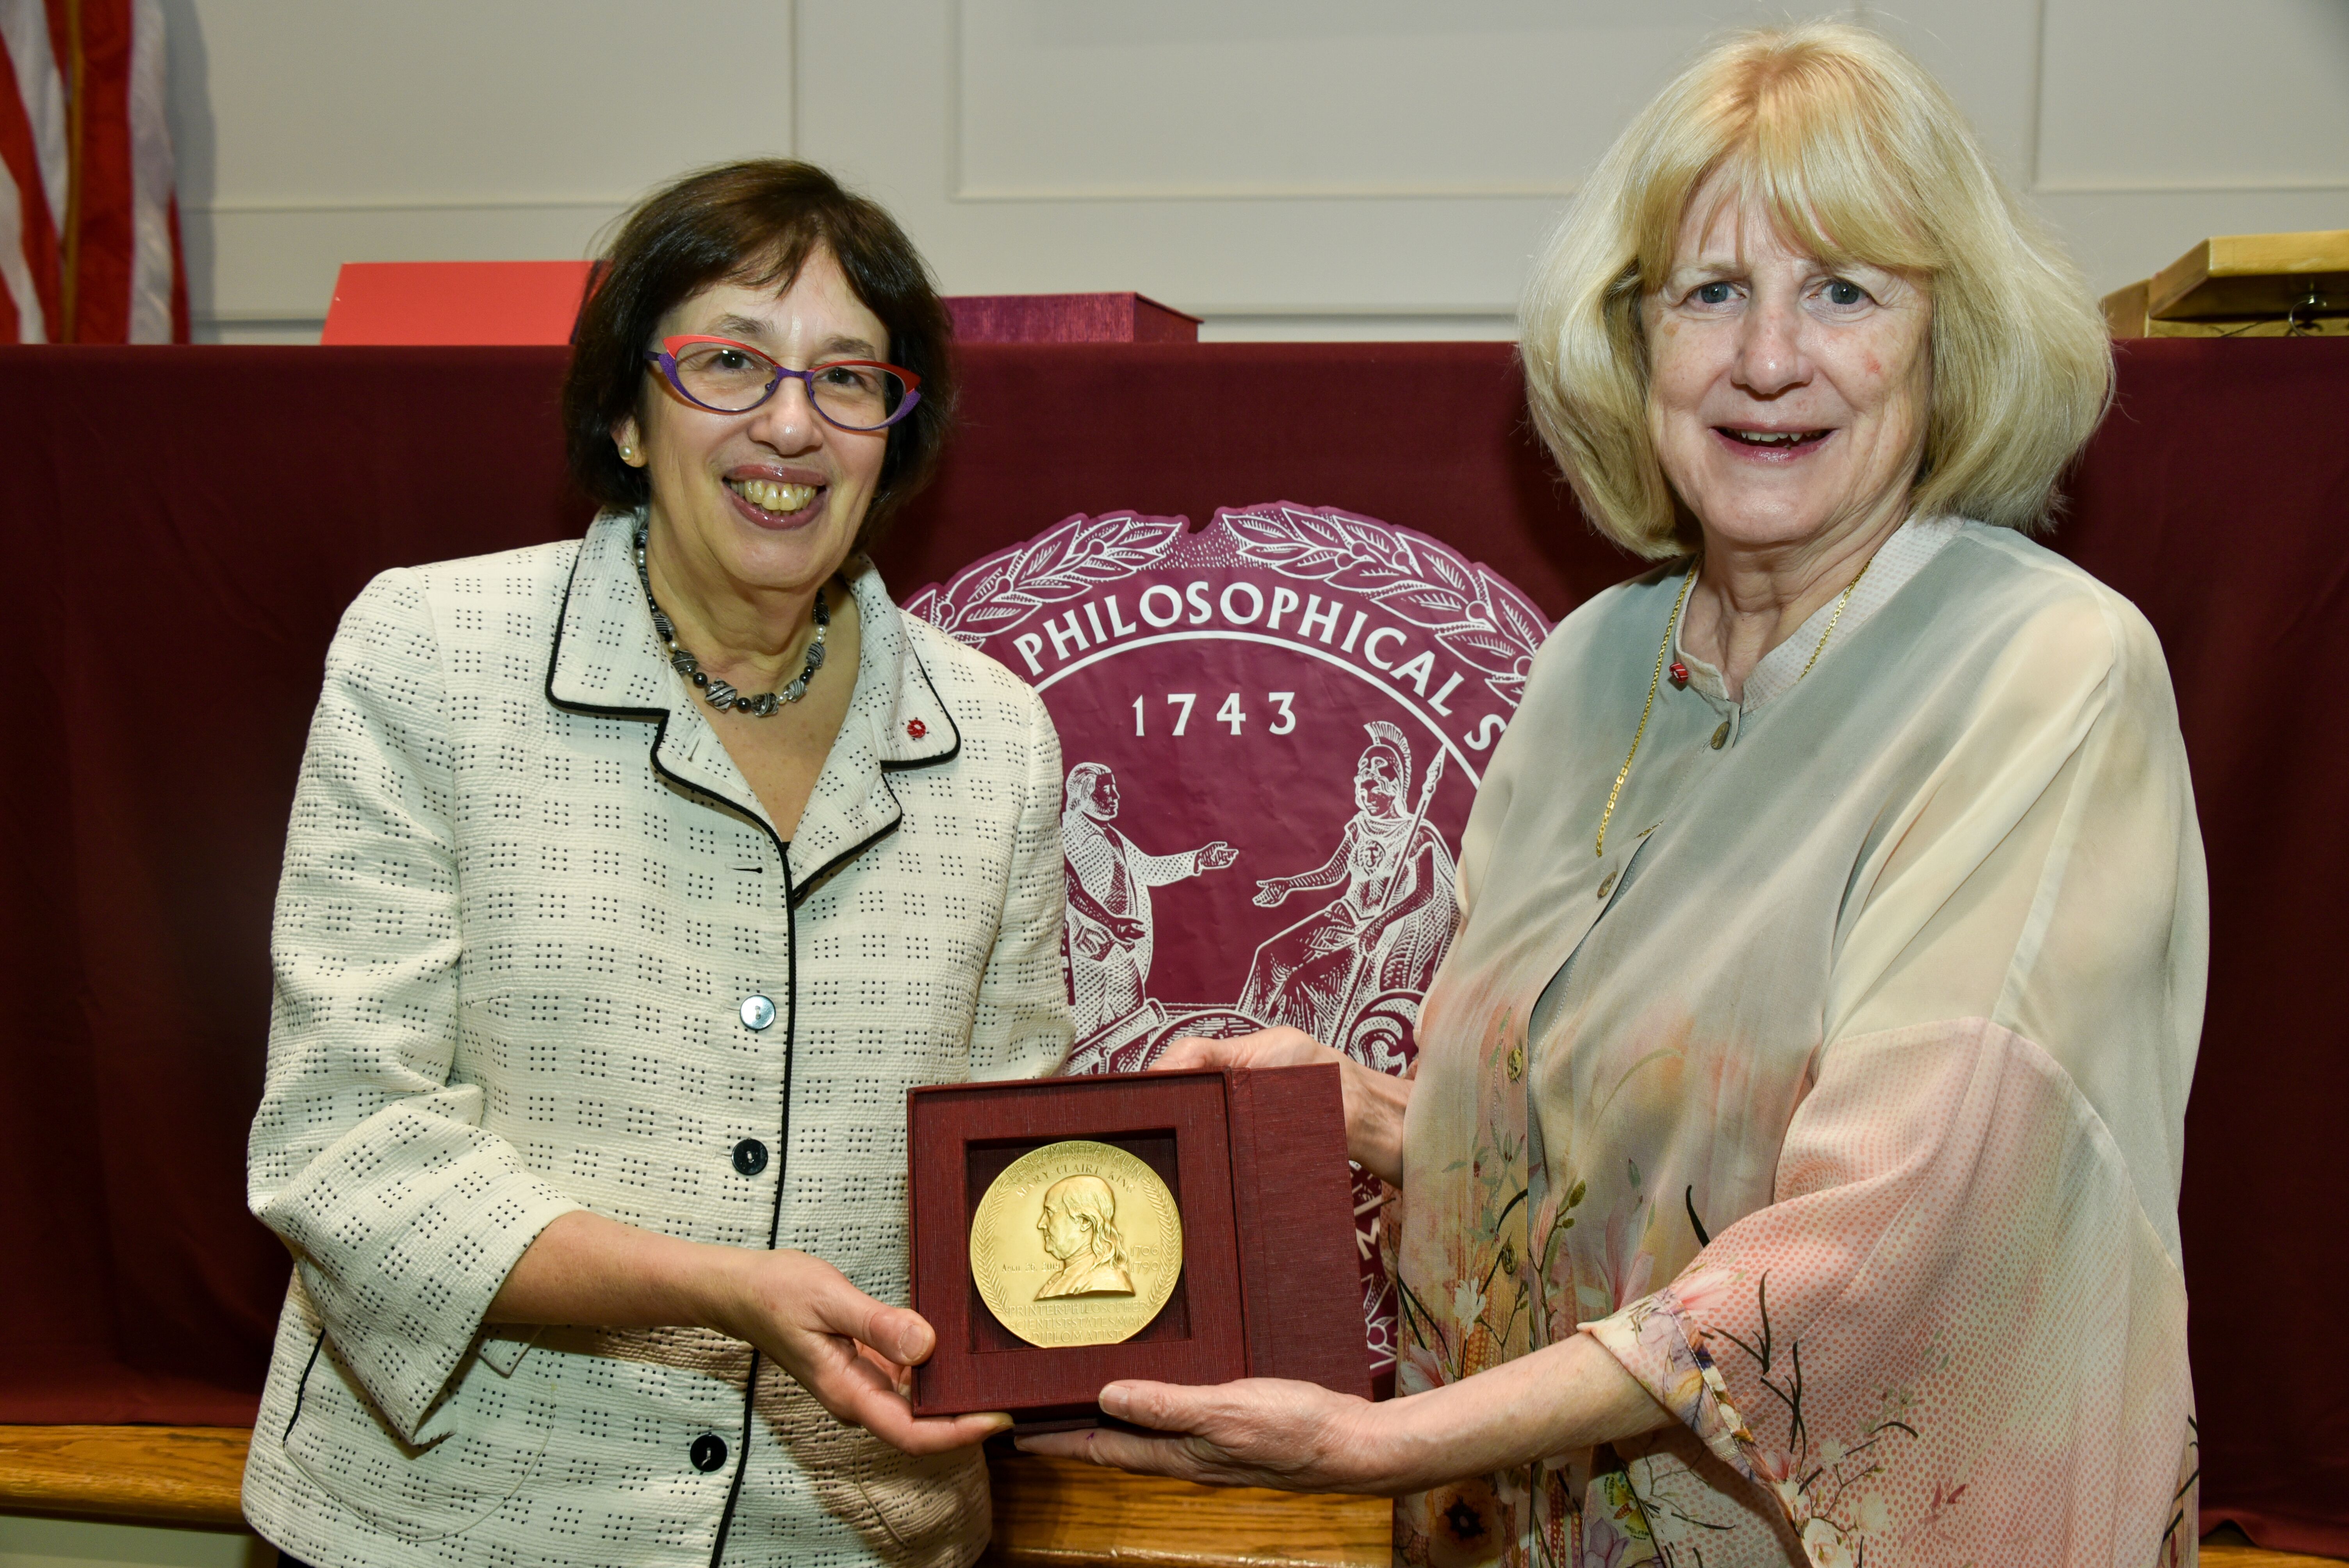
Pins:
x: 1076, y: 1244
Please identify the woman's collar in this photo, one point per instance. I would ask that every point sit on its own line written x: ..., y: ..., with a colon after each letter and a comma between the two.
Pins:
x: 607, y: 658
x: 1899, y: 558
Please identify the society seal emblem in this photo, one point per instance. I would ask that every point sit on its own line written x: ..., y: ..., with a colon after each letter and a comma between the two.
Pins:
x: 1275, y: 728
x: 1077, y: 1243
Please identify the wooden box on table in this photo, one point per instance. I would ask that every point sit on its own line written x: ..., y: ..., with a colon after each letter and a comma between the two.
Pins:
x: 2242, y: 286
x: 1270, y: 1284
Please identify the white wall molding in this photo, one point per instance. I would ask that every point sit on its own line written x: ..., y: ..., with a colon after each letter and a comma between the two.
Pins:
x: 1365, y: 192
x: 2249, y: 187
x: 417, y: 204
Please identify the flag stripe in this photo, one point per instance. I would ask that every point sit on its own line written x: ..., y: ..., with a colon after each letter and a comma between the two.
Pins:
x: 89, y: 239
x: 41, y: 94
x: 32, y: 237
x: 179, y: 333
x: 152, y: 258
x: 103, y: 244
x: 60, y: 18
x: 20, y: 304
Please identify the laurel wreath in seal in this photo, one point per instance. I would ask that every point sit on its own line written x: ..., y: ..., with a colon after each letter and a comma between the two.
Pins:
x: 1067, y: 561
x: 1473, y: 615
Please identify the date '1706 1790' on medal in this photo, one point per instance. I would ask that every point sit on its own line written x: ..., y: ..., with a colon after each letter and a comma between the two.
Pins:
x: 1076, y: 1244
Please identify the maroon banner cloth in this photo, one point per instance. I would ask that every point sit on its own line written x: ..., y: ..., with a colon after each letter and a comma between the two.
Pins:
x: 184, y: 526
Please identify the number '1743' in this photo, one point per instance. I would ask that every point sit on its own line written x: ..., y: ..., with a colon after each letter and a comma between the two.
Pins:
x: 1231, y: 714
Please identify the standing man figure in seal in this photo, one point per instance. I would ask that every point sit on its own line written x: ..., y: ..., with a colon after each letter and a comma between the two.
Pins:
x: 1109, y: 930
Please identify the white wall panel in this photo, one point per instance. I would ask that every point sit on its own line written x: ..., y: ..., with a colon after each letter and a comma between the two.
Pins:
x: 1285, y: 168
x: 452, y: 102
x: 2186, y: 97
x: 260, y: 263
x: 314, y: 132
x: 1071, y: 100
x: 2121, y: 236
x: 1986, y: 54
x: 1343, y: 255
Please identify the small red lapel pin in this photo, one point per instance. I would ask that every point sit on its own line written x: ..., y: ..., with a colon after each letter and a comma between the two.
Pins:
x: 915, y: 728
x: 1680, y: 673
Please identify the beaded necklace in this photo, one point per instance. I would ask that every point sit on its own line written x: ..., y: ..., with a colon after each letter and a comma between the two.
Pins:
x: 718, y: 693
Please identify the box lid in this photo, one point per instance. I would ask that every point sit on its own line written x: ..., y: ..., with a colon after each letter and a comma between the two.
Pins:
x: 456, y: 303
x: 2253, y: 275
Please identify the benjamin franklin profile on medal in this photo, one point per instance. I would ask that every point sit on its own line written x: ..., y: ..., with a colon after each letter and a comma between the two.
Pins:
x: 1080, y: 1229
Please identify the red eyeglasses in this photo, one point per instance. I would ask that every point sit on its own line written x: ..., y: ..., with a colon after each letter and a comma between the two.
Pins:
x: 730, y: 378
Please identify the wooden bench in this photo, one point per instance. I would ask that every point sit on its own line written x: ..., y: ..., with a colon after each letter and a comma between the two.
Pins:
x: 1053, y: 1513
x: 1048, y: 1514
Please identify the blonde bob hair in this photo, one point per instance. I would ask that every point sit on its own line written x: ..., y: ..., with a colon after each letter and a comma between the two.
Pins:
x: 1859, y: 157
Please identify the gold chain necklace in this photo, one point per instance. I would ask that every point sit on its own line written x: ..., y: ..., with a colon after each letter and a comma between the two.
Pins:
x: 1848, y: 592
x: 1664, y: 653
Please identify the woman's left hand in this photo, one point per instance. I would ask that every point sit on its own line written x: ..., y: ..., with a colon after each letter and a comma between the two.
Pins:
x: 1374, y: 1100
x: 1301, y: 1436
x: 1260, y: 1431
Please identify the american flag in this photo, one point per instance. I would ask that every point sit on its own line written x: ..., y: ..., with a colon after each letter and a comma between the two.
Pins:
x: 89, y: 230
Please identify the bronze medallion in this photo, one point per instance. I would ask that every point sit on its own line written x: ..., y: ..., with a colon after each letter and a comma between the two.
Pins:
x: 1076, y: 1244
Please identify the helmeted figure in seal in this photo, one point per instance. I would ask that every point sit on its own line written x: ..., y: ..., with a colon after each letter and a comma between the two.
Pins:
x: 1108, y: 930
x: 1385, y: 932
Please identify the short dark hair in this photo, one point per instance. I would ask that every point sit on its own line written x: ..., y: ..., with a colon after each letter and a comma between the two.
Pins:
x: 754, y: 223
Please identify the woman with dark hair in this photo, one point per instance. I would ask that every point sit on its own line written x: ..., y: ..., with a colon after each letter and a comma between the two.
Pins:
x: 631, y: 883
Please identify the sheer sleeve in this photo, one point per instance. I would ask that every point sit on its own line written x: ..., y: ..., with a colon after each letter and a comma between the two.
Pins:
x: 1963, y: 1302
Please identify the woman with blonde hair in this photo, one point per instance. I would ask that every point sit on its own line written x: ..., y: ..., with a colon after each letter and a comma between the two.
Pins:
x: 1790, y: 1170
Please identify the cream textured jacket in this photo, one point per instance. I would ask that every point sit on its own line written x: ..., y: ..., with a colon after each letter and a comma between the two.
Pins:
x: 537, y: 948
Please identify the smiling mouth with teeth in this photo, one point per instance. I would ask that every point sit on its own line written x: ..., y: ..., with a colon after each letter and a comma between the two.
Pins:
x: 1782, y: 441
x: 768, y: 495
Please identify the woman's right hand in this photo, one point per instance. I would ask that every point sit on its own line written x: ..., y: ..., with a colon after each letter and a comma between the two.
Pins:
x: 1374, y: 1101
x: 854, y: 1354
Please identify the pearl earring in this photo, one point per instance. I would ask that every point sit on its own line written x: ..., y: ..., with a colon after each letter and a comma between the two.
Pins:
x: 627, y: 453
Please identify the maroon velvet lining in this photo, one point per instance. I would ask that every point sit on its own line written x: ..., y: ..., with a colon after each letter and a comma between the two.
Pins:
x: 183, y: 526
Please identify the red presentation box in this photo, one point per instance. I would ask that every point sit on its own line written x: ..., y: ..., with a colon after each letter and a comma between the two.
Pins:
x: 1068, y: 318
x: 1271, y: 1285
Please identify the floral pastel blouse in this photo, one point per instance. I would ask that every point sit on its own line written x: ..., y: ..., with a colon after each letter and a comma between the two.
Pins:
x: 1840, y: 1098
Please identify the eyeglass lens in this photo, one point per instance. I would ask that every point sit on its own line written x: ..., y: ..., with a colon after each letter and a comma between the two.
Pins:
x: 729, y: 379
